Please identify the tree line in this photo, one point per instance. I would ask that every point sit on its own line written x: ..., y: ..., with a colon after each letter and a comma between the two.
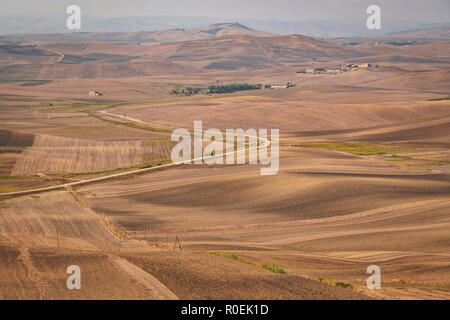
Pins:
x: 213, y: 89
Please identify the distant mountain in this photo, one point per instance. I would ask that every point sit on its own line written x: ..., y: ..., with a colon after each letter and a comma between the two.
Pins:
x: 230, y: 52
x: 313, y: 28
x: 209, y: 32
x: 440, y: 33
x: 143, y: 37
x: 422, y: 35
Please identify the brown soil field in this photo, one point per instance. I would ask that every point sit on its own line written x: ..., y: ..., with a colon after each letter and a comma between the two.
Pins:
x: 116, y: 90
x: 244, y: 197
x: 364, y: 171
x: 111, y: 283
x: 77, y: 125
x: 41, y: 274
x: 52, y: 155
x: 64, y: 155
x: 14, y: 275
x: 12, y: 145
x: 15, y: 139
x: 205, y: 276
x: 36, y: 258
x: 54, y: 215
x: 232, y: 52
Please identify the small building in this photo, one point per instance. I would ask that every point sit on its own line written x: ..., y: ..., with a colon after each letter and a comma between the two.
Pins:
x: 286, y: 86
x: 315, y: 70
x: 364, y: 65
x: 95, y: 93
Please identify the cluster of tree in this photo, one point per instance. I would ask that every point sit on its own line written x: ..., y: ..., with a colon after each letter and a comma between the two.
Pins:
x: 234, y: 87
x: 229, y: 88
x: 440, y: 99
x: 189, y: 91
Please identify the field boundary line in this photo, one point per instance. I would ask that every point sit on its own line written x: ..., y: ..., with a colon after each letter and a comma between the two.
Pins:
x: 266, y: 143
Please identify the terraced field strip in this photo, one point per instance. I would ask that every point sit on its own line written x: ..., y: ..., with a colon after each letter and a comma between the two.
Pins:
x: 33, y: 273
x: 262, y: 142
x: 51, y: 154
x: 359, y: 217
x: 158, y: 290
x: 59, y: 217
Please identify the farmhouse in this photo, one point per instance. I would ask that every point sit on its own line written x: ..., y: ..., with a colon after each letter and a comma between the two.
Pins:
x: 364, y: 65
x: 341, y: 68
x: 286, y: 86
x: 314, y: 70
x: 95, y: 93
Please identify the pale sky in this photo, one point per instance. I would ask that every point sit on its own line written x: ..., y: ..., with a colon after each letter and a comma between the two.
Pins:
x: 293, y: 10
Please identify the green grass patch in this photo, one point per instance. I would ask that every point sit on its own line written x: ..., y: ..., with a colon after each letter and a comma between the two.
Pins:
x: 17, y: 80
x: 418, y: 285
x: 159, y: 143
x: 440, y: 99
x: 19, y: 177
x: 394, y: 157
x: 69, y: 107
x: 113, y: 171
x: 129, y: 124
x: 324, y: 280
x: 82, y: 128
x: 338, y: 284
x: 149, y: 158
x: 81, y: 174
x: 438, y: 163
x: 3, y: 198
x: 343, y: 285
x: 272, y: 268
x: 141, y: 127
x: 79, y: 107
x: 4, y: 189
x: 360, y: 149
x: 231, y: 256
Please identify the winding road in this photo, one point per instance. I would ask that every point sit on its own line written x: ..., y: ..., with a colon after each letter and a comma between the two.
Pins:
x: 262, y: 143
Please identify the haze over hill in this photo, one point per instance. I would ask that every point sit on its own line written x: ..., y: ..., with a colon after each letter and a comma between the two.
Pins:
x: 142, y: 37
x: 362, y: 155
x: 439, y: 33
x: 224, y: 47
x: 230, y: 52
x: 312, y: 28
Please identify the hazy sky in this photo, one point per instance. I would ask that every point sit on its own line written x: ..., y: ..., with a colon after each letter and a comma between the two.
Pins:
x: 294, y: 10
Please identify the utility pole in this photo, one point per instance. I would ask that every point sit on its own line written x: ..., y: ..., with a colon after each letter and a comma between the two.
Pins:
x: 177, y: 241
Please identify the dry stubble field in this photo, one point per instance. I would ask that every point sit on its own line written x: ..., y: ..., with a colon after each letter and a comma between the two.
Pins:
x: 364, y: 177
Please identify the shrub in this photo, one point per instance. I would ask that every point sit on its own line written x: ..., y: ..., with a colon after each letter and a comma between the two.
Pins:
x: 343, y: 285
x: 272, y: 268
x: 230, y: 256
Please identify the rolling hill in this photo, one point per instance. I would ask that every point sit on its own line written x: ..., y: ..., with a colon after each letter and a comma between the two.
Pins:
x: 440, y: 33
x: 142, y: 37
x: 224, y: 53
